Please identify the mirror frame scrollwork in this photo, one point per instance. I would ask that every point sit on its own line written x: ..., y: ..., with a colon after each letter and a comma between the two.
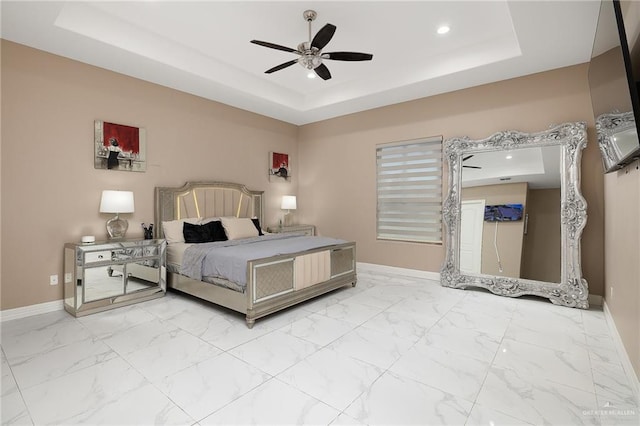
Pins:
x: 572, y: 290
x: 608, y: 126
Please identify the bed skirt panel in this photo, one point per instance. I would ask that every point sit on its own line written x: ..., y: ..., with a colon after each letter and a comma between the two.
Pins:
x: 312, y: 269
x: 272, y: 279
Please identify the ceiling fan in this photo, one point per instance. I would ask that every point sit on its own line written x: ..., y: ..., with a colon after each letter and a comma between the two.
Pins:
x: 310, y: 52
x: 469, y: 167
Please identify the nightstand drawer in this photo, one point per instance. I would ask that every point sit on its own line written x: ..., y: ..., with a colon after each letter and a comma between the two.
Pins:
x: 97, y: 256
x: 309, y: 230
x: 150, y: 251
x: 116, y: 255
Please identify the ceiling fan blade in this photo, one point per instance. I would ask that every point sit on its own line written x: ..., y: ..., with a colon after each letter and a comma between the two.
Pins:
x: 467, y: 157
x: 348, y: 56
x: 323, y: 36
x: 323, y: 72
x: 273, y: 46
x: 472, y: 167
x: 281, y: 66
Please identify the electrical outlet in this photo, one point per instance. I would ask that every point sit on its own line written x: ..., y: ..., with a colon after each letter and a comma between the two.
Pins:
x: 53, y: 279
x: 67, y: 277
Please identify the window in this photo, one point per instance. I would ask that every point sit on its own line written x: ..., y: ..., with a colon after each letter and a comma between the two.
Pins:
x: 409, y: 184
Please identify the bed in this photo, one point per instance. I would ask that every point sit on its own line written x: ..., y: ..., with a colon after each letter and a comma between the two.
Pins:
x: 308, y: 267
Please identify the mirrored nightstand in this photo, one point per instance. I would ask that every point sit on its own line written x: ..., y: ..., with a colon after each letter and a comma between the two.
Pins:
x: 307, y: 229
x: 106, y: 275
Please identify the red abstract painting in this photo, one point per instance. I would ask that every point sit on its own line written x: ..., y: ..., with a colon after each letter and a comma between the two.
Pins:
x: 279, y: 165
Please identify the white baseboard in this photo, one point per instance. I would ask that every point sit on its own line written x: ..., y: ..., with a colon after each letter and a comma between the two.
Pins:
x: 435, y: 276
x: 58, y: 305
x: 594, y: 299
x: 27, y: 311
x: 622, y: 353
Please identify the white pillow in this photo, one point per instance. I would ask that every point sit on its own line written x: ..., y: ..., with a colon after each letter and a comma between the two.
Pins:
x: 206, y: 220
x: 172, y: 229
x: 239, y: 227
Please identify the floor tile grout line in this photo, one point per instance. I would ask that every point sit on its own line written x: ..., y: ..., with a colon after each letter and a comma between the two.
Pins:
x: 352, y: 328
x: 486, y: 375
x: 271, y: 377
x: 18, y: 389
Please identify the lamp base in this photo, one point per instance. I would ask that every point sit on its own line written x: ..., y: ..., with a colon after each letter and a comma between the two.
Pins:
x: 116, y: 227
x: 288, y: 219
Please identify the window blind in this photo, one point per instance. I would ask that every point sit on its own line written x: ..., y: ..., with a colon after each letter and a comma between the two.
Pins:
x: 409, y: 185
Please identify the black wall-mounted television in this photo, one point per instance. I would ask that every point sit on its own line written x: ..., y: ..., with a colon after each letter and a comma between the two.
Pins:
x: 503, y: 212
x: 614, y: 74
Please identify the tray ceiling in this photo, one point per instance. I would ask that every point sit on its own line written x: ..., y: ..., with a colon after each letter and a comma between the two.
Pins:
x: 203, y: 48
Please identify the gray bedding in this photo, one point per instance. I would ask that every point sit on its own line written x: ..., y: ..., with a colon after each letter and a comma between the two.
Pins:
x: 228, y: 259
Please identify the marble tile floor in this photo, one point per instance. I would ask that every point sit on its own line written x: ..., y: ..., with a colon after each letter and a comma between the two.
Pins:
x: 394, y: 350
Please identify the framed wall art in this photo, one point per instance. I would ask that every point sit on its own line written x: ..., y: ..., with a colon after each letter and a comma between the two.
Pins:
x: 279, y: 167
x: 120, y: 147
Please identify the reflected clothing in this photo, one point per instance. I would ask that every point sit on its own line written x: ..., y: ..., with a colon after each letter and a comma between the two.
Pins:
x: 112, y: 161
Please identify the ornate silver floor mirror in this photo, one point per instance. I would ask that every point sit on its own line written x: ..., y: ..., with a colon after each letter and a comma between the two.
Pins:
x: 514, y: 214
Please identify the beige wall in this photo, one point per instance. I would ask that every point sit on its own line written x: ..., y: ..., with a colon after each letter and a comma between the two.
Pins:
x: 610, y: 93
x: 622, y: 231
x: 542, y: 244
x: 510, y: 234
x: 337, y: 188
x: 622, y: 256
x: 49, y: 104
x: 50, y: 189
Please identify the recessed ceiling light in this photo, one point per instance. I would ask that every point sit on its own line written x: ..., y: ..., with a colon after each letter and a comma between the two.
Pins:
x: 443, y: 29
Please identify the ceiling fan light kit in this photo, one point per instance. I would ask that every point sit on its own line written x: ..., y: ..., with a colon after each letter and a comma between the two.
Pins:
x: 310, y: 52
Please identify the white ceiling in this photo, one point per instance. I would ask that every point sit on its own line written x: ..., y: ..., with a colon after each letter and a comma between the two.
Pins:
x: 203, y: 47
x: 539, y: 166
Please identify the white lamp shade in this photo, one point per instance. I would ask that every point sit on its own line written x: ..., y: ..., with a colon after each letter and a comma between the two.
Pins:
x: 288, y: 202
x: 116, y: 202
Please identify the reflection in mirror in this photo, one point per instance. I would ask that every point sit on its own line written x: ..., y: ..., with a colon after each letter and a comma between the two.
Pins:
x: 613, y: 69
x: 617, y: 139
x: 514, y: 214
x: 525, y: 244
x: 142, y: 275
x: 101, y: 283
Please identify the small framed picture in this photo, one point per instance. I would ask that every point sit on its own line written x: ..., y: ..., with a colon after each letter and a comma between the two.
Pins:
x: 279, y: 167
x: 119, y: 147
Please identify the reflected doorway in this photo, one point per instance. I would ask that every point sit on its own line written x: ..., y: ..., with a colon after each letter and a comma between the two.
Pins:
x: 471, y: 223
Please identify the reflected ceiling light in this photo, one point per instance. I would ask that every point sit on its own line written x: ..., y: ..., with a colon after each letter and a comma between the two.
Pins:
x: 311, y: 74
x: 443, y: 29
x: 509, y: 157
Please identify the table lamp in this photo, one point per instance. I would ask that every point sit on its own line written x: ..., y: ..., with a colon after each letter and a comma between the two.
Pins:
x: 117, y: 202
x: 288, y: 204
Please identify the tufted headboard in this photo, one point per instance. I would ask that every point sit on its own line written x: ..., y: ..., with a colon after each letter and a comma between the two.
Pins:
x: 206, y: 199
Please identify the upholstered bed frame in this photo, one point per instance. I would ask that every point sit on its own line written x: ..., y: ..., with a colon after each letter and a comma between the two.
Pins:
x: 273, y: 283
